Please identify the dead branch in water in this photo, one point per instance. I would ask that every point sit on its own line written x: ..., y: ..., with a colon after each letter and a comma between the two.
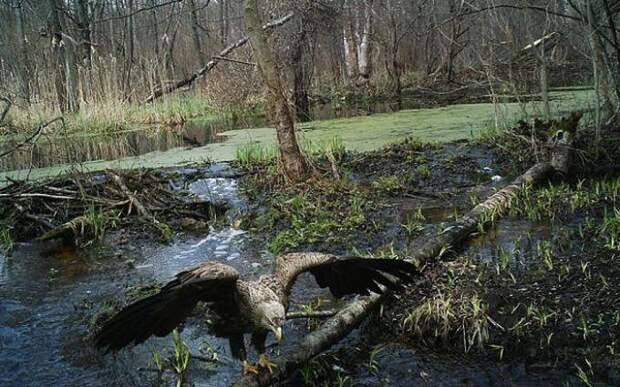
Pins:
x: 315, y: 314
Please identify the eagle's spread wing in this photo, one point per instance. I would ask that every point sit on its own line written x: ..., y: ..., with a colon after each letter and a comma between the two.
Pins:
x: 343, y: 276
x: 160, y: 313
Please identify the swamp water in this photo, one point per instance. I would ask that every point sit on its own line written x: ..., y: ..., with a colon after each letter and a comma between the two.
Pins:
x: 48, y: 295
x: 361, y: 127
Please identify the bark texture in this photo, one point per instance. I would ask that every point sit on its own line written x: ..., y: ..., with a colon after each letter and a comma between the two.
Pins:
x: 293, y: 162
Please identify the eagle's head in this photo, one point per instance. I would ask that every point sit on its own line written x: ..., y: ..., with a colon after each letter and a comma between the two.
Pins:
x: 271, y: 317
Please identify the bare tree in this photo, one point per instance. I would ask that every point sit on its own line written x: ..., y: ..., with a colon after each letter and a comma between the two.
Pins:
x: 293, y: 162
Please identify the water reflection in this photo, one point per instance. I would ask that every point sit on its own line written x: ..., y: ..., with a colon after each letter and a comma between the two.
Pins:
x: 52, y: 151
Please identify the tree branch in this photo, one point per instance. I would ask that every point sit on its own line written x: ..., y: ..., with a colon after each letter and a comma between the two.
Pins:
x: 159, y: 92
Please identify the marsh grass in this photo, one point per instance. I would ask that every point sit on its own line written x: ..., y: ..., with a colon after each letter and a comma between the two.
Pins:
x: 445, y: 316
x: 113, y: 116
x: 251, y: 154
x: 180, y: 359
x: 255, y: 153
x: 98, y: 222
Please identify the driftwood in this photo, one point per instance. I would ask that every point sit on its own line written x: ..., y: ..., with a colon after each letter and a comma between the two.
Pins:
x: 315, y: 314
x: 159, y: 92
x: 426, y: 249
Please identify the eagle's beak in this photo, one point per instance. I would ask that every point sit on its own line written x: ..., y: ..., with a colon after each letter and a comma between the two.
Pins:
x: 278, y: 333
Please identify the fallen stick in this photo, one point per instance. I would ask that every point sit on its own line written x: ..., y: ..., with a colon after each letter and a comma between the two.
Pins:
x: 142, y: 211
x: 72, y: 227
x: 159, y: 92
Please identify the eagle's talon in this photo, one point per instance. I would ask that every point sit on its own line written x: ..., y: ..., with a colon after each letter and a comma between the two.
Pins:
x: 249, y: 368
x: 263, y: 362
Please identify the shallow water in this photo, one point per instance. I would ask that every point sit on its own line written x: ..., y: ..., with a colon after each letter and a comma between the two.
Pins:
x: 49, y: 293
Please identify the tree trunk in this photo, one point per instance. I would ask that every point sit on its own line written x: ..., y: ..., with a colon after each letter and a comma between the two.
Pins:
x: 223, y: 22
x: 83, y: 18
x: 129, y: 53
x: 23, y: 65
x: 293, y: 161
x: 196, y: 33
x: 64, y: 59
x: 300, y: 84
x: 365, y: 45
x: 350, y: 44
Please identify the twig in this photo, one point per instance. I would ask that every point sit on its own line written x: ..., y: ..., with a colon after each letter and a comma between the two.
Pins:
x: 134, y: 201
x: 37, y: 195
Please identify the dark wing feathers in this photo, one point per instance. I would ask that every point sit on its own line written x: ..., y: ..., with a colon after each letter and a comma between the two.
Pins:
x: 345, y: 275
x: 160, y: 313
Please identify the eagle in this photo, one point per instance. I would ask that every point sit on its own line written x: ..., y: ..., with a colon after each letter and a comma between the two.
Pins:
x: 247, y: 307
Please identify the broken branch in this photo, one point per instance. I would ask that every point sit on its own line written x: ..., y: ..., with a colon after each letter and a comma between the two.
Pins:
x: 159, y: 92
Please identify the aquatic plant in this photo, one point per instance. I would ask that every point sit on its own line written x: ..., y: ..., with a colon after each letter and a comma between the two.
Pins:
x: 180, y: 360
x: 98, y: 221
x: 414, y: 224
x: 320, y: 216
x: 251, y: 154
x: 423, y: 170
x: 387, y: 184
x: 373, y: 364
x: 166, y: 233
x: 544, y: 251
x: 333, y: 146
x: 611, y: 224
x: 443, y: 316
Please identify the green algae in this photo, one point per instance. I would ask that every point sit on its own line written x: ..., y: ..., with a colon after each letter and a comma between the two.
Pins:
x: 365, y: 133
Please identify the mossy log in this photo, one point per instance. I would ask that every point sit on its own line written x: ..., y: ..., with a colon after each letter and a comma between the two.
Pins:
x: 426, y: 249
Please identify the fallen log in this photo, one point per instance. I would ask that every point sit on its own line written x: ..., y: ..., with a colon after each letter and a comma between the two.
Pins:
x: 159, y: 92
x: 426, y: 249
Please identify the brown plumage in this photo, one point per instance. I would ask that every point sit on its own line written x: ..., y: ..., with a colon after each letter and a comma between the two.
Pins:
x: 240, y: 307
